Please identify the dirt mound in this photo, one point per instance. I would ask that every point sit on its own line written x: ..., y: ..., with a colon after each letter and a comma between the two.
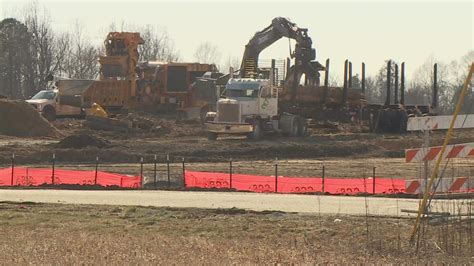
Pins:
x: 81, y: 141
x: 17, y: 118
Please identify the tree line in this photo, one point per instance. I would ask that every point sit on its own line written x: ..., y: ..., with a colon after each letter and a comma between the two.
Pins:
x: 31, y: 51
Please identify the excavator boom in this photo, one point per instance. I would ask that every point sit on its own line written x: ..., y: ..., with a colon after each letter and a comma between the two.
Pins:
x: 280, y: 27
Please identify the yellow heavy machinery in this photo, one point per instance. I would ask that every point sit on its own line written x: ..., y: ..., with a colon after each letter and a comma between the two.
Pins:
x: 119, y: 65
x: 126, y: 84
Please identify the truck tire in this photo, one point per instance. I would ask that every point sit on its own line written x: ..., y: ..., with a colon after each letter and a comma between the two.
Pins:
x: 211, y: 136
x: 202, y: 114
x: 49, y: 113
x: 302, y: 127
x: 289, y: 125
x: 257, y: 131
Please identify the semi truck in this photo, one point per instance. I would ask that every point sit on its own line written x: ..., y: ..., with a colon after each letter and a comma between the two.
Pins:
x: 250, y: 107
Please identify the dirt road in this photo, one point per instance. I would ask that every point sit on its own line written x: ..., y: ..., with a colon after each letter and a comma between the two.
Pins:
x: 217, y: 200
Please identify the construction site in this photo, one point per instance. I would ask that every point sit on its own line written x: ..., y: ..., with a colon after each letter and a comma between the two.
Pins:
x: 267, y: 163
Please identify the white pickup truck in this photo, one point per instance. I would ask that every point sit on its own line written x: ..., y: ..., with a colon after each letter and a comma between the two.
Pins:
x: 51, y: 104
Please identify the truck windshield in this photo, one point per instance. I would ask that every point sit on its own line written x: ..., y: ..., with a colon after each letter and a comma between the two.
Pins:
x: 48, y: 95
x: 238, y: 90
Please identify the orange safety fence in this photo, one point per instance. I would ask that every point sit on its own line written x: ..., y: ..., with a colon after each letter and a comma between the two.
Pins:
x: 284, y: 184
x: 45, y: 176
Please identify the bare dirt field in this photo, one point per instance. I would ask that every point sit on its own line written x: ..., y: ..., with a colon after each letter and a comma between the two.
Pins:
x: 85, y: 234
x: 187, y: 139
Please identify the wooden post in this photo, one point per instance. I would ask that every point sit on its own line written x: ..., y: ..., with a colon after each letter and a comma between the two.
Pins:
x: 402, y: 84
x: 395, y: 90
x: 363, y: 78
x: 389, y: 81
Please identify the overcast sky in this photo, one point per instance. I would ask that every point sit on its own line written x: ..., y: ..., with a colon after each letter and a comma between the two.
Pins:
x: 361, y: 31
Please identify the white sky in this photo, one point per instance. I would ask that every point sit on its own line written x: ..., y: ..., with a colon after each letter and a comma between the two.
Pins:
x: 361, y: 31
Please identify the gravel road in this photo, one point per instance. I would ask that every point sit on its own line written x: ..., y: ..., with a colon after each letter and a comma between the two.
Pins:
x: 251, y: 201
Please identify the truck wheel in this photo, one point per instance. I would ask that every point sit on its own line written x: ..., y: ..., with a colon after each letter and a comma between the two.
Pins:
x: 211, y: 136
x: 49, y: 113
x: 202, y: 115
x: 289, y: 125
x: 257, y: 131
x: 302, y: 127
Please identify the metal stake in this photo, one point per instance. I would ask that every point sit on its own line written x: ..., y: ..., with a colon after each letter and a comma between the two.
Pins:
x: 154, y: 172
x: 230, y: 173
x: 141, y: 170
x: 276, y: 174
x: 96, y: 169
x: 168, y: 169
x: 373, y: 180
x: 13, y: 167
x: 324, y: 173
x: 184, y: 173
x: 52, y: 175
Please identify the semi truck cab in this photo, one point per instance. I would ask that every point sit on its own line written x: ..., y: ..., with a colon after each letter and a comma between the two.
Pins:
x: 247, y: 107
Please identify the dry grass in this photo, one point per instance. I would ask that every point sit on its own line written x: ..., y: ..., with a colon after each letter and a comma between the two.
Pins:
x: 84, y: 234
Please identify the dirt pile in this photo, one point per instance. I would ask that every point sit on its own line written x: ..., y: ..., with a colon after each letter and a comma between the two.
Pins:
x: 17, y: 118
x: 80, y: 141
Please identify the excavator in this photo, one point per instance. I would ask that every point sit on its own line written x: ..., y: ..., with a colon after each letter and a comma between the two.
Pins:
x: 304, y: 54
x: 300, y: 92
x: 249, y: 103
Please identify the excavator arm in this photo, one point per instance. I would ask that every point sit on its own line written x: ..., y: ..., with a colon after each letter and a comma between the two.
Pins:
x: 280, y: 27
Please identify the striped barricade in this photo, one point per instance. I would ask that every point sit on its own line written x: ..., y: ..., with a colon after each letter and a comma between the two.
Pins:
x: 432, y: 153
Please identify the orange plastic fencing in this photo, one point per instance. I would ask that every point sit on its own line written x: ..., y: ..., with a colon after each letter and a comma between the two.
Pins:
x: 44, y: 176
x: 284, y: 184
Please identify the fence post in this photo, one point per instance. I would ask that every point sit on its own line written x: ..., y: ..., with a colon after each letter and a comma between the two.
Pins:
x: 13, y: 168
x: 276, y: 174
x: 324, y: 173
x: 230, y: 173
x: 168, y: 168
x: 373, y: 180
x: 141, y: 171
x: 154, y: 171
x: 96, y: 169
x: 184, y: 173
x: 52, y: 175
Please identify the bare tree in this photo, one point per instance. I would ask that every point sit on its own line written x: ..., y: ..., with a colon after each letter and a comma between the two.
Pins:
x: 231, y: 61
x: 158, y: 45
x: 81, y: 61
x: 207, y: 53
x: 47, y: 49
x: 458, y: 73
x: 15, y: 42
